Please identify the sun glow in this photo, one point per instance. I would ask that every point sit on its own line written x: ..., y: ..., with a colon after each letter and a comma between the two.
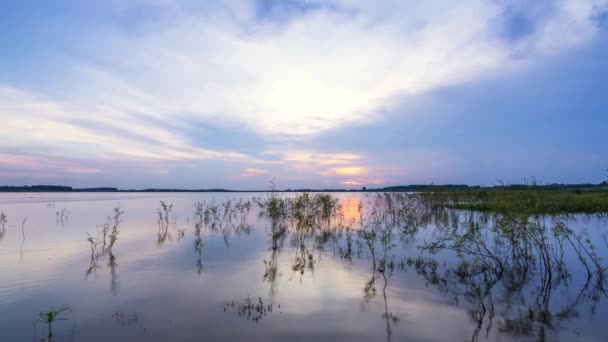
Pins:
x: 351, y: 183
x: 349, y: 171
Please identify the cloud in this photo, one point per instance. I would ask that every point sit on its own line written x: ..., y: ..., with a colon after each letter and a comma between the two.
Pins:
x: 132, y: 86
x: 249, y: 172
x: 339, y: 62
x: 347, y: 171
x: 69, y: 130
x: 351, y: 183
x: 319, y: 158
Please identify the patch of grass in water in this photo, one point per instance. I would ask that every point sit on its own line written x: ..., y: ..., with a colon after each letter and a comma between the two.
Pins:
x: 531, y: 201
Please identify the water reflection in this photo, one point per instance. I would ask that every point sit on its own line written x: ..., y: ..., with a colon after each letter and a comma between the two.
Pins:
x: 251, y: 310
x: 521, y: 260
x: 510, y: 276
x: 62, y: 216
x: 381, y: 265
x: 278, y: 232
x: 3, y: 222
x: 198, y: 241
x: 164, y: 213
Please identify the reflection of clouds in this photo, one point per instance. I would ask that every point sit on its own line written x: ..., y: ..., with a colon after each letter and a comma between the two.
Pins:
x: 326, y: 301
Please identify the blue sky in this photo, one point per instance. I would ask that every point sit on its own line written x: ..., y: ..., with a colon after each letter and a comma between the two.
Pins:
x: 333, y: 93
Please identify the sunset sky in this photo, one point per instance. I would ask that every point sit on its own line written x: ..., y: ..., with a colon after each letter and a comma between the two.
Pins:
x: 336, y: 93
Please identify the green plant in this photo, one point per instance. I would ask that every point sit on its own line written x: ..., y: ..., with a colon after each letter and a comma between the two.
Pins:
x: 51, y: 316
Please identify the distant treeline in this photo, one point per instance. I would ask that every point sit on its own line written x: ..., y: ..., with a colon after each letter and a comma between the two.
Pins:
x: 61, y: 188
x: 53, y: 188
x: 399, y: 188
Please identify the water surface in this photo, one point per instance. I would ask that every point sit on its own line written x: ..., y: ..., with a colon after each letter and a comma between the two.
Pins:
x: 251, y: 277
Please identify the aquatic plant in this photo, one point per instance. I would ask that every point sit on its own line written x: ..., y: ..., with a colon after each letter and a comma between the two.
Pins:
x: 115, y: 221
x: 107, y: 234
x: 164, y: 213
x: 62, y: 216
x: 51, y: 316
x: 253, y: 311
x: 94, y: 243
x: 102, y: 245
x: 225, y: 218
x: 3, y: 222
x: 517, y: 252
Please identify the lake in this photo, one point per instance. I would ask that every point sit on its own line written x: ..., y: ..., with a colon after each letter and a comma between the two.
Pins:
x: 252, y: 267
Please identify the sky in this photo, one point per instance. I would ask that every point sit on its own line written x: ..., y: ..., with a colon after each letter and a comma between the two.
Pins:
x: 315, y: 94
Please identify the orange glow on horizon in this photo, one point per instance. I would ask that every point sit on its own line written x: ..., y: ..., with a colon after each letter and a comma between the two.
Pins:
x: 351, y: 183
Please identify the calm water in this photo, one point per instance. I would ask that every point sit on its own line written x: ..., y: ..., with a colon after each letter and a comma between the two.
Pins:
x: 249, y: 280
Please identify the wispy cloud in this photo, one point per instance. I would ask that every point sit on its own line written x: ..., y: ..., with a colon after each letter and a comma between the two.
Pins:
x: 347, y: 171
x: 249, y: 172
x: 339, y: 63
x: 136, y: 83
x: 351, y: 183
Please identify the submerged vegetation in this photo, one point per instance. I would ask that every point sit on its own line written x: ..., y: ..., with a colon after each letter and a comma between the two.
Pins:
x: 502, y: 257
x: 517, y: 260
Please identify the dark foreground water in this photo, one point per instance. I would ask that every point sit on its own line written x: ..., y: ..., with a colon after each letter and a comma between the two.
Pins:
x: 357, y: 276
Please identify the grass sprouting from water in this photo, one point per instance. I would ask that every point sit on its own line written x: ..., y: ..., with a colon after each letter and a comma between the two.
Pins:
x: 532, y: 200
x: 51, y: 316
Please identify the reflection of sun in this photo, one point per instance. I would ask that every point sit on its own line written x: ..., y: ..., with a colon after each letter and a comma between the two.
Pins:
x: 350, y: 208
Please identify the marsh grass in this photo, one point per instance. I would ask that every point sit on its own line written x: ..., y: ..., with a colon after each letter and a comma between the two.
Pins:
x: 516, y: 256
x: 164, y: 214
x: 225, y: 218
x: 512, y: 252
x: 531, y: 201
x: 102, y: 245
x: 103, y: 241
x: 511, y: 256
